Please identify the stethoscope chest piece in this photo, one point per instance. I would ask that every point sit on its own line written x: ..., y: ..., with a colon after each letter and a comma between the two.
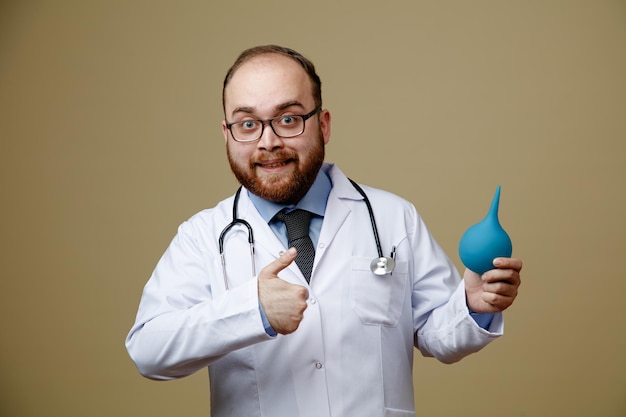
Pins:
x: 383, y: 265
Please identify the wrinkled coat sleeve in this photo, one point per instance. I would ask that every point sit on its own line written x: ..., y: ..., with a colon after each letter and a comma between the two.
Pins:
x: 444, y: 328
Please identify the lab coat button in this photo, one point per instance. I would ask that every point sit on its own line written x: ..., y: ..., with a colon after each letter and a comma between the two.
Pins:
x: 318, y: 365
x: 312, y: 300
x: 321, y: 246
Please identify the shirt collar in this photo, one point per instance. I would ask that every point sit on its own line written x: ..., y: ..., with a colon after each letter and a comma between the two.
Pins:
x: 314, y: 200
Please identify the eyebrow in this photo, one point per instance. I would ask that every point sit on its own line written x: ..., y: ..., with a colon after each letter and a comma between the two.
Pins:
x: 282, y: 106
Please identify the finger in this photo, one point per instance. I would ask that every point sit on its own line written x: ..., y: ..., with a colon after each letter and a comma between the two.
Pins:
x: 498, y: 302
x: 283, y: 261
x: 501, y: 288
x: 510, y: 276
x: 508, y: 263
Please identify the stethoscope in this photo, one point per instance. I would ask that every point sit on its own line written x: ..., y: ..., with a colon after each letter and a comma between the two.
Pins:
x: 382, y: 265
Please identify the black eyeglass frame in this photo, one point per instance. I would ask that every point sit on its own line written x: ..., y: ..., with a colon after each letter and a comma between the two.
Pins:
x: 265, y: 122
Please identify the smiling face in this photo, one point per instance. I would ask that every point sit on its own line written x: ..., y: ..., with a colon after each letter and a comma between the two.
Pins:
x: 274, y: 168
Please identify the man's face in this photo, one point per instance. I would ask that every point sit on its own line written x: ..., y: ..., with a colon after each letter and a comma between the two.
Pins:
x: 277, y: 169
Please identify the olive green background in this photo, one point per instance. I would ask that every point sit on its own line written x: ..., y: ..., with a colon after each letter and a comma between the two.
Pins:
x: 110, y: 134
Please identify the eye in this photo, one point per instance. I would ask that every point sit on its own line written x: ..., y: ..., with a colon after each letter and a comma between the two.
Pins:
x: 249, y: 124
x: 288, y: 120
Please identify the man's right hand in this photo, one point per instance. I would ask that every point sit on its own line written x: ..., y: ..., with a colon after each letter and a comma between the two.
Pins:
x: 282, y: 302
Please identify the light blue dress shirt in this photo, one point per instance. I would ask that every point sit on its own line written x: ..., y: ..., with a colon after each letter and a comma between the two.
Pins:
x: 314, y: 201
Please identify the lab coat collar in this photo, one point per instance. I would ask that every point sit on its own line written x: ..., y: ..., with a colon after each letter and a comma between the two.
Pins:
x: 342, y: 187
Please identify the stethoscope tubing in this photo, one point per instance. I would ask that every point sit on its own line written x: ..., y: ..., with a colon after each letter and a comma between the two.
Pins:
x: 380, y: 266
x: 233, y: 223
x: 372, y: 219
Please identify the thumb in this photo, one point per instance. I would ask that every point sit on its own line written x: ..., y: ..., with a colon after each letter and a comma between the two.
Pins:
x: 283, y: 261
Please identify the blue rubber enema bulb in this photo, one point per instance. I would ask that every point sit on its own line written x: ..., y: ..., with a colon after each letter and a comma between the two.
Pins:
x: 485, y: 241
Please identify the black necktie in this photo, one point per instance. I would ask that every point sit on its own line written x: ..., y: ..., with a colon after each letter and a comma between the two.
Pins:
x: 297, y: 223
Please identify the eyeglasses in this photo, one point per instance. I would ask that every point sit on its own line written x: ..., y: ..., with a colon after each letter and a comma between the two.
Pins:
x: 287, y: 126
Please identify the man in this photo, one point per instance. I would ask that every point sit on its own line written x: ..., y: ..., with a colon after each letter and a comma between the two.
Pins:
x: 323, y: 338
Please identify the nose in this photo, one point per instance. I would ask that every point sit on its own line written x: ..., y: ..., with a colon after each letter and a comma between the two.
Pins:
x: 269, y: 140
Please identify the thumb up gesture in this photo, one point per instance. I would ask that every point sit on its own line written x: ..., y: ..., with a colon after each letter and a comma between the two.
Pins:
x: 283, y: 303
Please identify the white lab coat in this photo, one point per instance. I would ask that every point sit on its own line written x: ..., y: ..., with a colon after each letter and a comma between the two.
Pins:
x: 353, y: 352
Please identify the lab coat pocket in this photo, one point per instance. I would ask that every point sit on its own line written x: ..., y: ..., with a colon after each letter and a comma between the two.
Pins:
x: 377, y: 299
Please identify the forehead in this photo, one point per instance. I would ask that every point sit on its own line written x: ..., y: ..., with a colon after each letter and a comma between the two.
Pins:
x: 266, y: 82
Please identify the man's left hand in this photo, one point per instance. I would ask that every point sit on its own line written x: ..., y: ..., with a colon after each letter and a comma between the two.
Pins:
x: 496, y: 289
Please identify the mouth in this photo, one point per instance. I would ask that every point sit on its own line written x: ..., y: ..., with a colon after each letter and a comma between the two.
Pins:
x: 273, y: 164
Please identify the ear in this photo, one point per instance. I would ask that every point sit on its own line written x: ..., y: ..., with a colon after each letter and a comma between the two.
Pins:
x: 224, y: 131
x: 325, y: 125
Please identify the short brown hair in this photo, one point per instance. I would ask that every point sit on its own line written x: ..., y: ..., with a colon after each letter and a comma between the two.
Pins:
x: 280, y: 50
